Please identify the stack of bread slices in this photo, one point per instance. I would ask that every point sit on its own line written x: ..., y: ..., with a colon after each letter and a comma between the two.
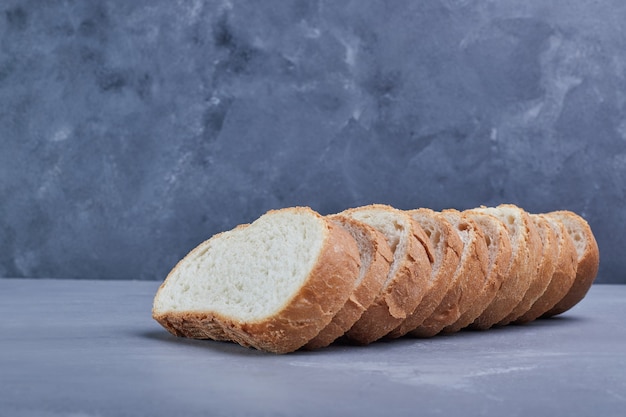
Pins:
x: 294, y: 279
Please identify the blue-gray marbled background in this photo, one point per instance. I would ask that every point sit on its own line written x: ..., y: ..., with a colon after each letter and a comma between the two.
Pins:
x: 132, y: 130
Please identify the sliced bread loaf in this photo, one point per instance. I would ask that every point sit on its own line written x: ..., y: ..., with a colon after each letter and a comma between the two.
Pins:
x: 273, y: 285
x: 408, y: 277
x: 498, y: 249
x: 447, y: 248
x: 525, y: 250
x: 468, y: 277
x: 565, y: 262
x: 587, y: 263
x: 376, y: 258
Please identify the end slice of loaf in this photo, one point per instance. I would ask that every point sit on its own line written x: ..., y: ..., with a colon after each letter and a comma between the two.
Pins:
x: 498, y: 248
x: 376, y: 258
x: 447, y: 248
x: 523, y: 267
x: 565, y: 264
x: 273, y: 285
x: 468, y: 277
x: 588, y: 259
x: 408, y: 276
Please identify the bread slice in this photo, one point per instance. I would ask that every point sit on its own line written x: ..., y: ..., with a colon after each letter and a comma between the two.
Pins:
x: 498, y: 248
x: 525, y: 250
x: 376, y: 258
x: 545, y: 266
x: 408, y: 276
x: 273, y: 285
x: 539, y: 278
x: 468, y: 277
x: 588, y: 259
x: 565, y: 262
x: 447, y: 246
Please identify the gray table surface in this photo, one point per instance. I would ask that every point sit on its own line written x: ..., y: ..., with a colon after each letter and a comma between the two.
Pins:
x: 91, y: 349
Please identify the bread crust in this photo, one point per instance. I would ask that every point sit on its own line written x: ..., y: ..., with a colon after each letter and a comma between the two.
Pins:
x: 402, y: 293
x: 587, y: 265
x: 467, y: 278
x: 441, y: 277
x: 563, y: 276
x: 365, y: 292
x: 495, y: 269
x: 308, y: 311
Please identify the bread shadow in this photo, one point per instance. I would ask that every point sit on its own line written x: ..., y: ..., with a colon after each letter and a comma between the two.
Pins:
x: 231, y: 348
x: 344, y: 344
x: 551, y: 322
x: 234, y: 349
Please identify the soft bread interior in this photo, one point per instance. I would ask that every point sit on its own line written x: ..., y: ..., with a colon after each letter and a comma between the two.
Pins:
x: 433, y: 231
x: 390, y: 225
x: 575, y: 232
x: 483, y: 220
x: 248, y: 273
x: 510, y: 217
x: 366, y: 248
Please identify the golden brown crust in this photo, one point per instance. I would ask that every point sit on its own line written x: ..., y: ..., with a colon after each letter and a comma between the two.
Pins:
x: 587, y: 268
x: 309, y: 310
x: 441, y: 277
x: 403, y: 291
x: 467, y: 280
x: 365, y: 292
x: 494, y: 268
x: 192, y: 325
x: 517, y: 278
x: 564, y: 272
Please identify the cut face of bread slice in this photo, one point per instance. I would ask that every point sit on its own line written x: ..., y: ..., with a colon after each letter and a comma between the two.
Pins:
x: 468, y: 277
x: 376, y: 258
x: 525, y: 251
x: 447, y: 247
x: 272, y: 285
x: 588, y: 259
x: 408, y: 276
x: 565, y: 261
x: 498, y: 248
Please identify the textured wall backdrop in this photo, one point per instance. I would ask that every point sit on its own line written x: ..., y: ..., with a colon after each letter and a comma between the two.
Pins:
x: 132, y: 130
